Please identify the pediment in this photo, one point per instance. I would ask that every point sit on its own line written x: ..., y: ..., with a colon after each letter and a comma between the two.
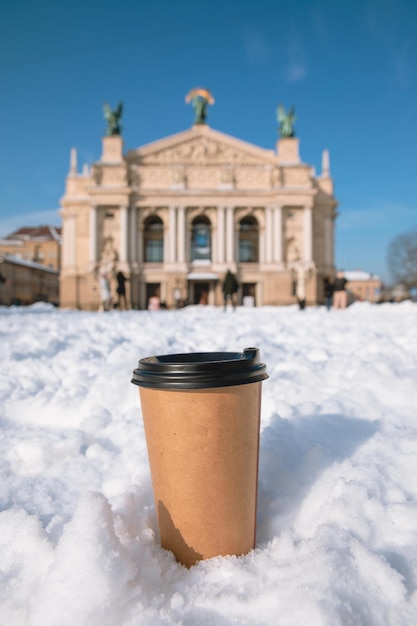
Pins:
x: 201, y: 145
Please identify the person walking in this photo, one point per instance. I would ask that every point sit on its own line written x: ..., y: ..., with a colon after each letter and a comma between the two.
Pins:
x: 154, y: 303
x: 121, y: 290
x: 328, y: 289
x: 339, y: 291
x: 230, y: 287
x: 300, y: 289
x: 105, y: 296
x: 3, y: 280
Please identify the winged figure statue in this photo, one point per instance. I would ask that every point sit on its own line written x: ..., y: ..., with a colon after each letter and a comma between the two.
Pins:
x: 286, y: 121
x: 112, y: 118
x: 200, y: 99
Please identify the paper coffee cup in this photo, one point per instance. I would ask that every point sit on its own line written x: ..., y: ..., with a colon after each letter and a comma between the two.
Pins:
x: 201, y: 414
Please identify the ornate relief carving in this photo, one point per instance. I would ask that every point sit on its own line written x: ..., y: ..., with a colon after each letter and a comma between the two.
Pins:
x: 296, y: 176
x: 256, y: 178
x: 155, y: 178
x: 201, y: 150
x: 145, y: 212
x: 292, y: 251
x: 227, y: 176
x: 178, y: 176
x: 135, y: 177
x: 113, y: 176
x: 209, y: 212
x: 293, y: 230
x: 276, y: 178
x: 96, y: 174
x: 257, y: 212
x: 202, y: 178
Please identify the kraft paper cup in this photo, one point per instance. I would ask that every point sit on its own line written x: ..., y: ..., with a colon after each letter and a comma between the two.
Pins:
x: 201, y: 415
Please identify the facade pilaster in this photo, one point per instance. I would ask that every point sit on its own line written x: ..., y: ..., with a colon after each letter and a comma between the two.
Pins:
x: 278, y: 234
x: 327, y: 241
x: 172, y: 227
x: 308, y: 234
x: 167, y: 241
x: 220, y: 234
x: 262, y: 244
x: 229, y: 235
x: 133, y: 234
x: 331, y: 241
x: 69, y: 242
x: 124, y: 216
x: 269, y: 232
x: 181, y: 235
x: 139, y: 243
x: 93, y: 235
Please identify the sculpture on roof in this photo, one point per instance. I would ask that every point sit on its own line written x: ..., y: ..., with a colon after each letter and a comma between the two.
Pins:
x: 286, y: 121
x: 113, y: 119
x: 200, y: 99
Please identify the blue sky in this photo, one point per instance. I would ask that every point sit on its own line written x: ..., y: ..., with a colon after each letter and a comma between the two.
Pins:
x: 349, y: 68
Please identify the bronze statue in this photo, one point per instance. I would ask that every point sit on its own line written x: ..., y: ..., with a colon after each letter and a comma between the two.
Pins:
x: 113, y: 119
x: 200, y: 99
x: 286, y: 121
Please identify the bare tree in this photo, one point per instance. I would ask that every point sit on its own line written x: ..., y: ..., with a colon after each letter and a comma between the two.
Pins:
x: 402, y: 258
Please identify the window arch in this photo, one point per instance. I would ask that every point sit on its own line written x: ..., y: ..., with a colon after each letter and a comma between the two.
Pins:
x: 248, y: 240
x: 201, y: 239
x: 153, y: 236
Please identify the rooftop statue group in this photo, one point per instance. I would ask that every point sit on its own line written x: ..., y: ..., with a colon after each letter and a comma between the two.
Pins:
x: 200, y: 99
x: 286, y: 121
x: 112, y: 118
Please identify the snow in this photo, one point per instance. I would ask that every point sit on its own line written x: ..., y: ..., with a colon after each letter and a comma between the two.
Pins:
x: 337, y: 519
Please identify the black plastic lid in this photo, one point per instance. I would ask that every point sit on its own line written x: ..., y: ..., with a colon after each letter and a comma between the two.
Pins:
x: 200, y: 370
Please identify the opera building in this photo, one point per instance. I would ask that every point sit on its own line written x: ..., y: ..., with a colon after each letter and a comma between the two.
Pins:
x: 175, y: 214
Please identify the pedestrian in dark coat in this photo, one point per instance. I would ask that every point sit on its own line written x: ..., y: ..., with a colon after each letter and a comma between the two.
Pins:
x: 121, y: 290
x: 230, y: 287
x: 328, y: 292
x: 340, y: 293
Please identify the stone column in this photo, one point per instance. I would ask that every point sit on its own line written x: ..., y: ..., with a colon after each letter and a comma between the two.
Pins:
x: 133, y: 234
x: 229, y: 235
x: 139, y: 244
x: 181, y: 239
x: 269, y: 232
x: 124, y: 215
x: 278, y: 234
x: 220, y: 234
x: 93, y: 235
x: 167, y: 243
x: 308, y: 234
x: 331, y: 240
x: 172, y: 221
x: 262, y: 244
x: 69, y: 242
x: 326, y: 246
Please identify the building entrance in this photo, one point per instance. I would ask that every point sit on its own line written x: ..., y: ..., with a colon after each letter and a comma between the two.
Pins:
x: 248, y: 294
x: 199, y: 292
x: 153, y: 290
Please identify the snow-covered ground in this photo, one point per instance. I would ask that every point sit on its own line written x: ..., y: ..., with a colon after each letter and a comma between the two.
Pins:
x: 337, y: 519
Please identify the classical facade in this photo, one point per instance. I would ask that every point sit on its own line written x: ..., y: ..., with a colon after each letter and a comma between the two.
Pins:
x: 175, y: 214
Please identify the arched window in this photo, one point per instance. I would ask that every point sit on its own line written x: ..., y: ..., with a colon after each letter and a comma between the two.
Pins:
x: 248, y: 240
x: 201, y: 239
x: 153, y: 234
